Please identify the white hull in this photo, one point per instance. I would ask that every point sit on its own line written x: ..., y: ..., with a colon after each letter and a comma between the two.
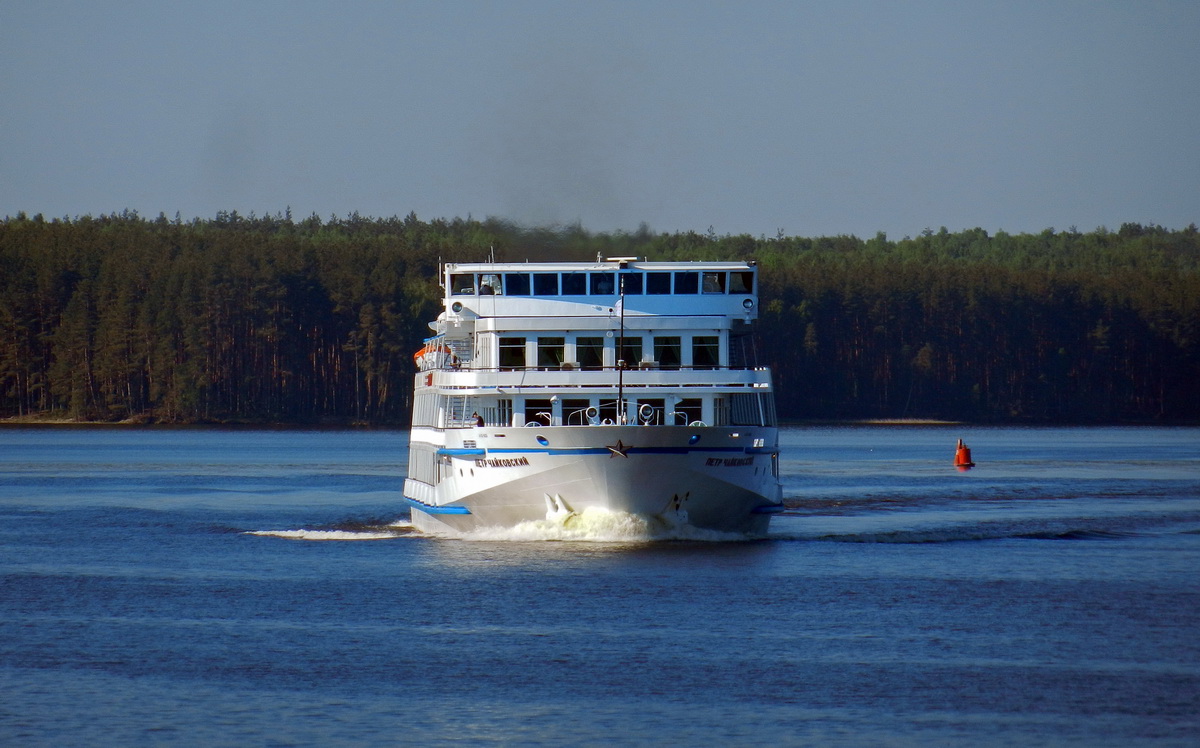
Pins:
x: 712, y: 478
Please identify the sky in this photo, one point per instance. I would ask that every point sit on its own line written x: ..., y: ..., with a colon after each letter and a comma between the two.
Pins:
x: 750, y: 117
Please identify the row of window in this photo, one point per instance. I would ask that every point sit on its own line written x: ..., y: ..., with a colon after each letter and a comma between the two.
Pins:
x: 666, y: 352
x: 603, y: 283
x: 585, y: 412
x: 748, y: 409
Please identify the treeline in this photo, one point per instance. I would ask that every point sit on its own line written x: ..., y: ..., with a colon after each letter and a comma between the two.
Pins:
x: 245, y: 318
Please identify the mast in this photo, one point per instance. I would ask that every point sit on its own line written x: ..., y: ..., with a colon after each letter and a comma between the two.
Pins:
x: 621, y: 351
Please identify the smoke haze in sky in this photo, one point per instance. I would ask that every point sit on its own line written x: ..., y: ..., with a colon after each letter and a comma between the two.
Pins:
x: 756, y: 117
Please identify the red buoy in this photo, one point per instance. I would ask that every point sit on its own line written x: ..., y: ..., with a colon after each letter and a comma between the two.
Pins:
x: 962, y: 456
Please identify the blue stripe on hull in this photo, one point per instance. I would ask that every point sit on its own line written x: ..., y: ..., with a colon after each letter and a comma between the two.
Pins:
x: 430, y: 509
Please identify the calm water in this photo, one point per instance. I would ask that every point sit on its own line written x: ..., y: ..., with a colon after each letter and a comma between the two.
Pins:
x: 166, y: 587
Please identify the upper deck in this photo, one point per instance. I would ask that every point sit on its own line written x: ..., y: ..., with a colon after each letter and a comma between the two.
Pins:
x: 593, y: 289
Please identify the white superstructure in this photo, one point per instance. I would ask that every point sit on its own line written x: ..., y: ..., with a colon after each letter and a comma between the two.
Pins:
x: 554, y: 388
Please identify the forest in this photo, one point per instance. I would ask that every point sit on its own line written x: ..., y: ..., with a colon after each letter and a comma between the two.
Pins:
x: 266, y: 319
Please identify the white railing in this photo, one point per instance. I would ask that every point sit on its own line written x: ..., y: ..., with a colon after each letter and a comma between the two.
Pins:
x: 492, y: 379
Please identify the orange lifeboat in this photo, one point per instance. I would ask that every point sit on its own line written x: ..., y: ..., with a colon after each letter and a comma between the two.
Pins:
x: 432, y: 356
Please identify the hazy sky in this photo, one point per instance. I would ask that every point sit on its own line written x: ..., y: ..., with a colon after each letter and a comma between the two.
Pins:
x: 812, y: 118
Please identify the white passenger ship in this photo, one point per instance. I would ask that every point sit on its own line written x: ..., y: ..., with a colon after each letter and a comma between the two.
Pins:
x: 551, y: 389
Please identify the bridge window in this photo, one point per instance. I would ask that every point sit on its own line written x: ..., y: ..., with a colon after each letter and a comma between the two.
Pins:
x: 714, y: 282
x: 741, y: 282
x: 516, y: 284
x: 602, y: 284
x: 687, y: 282
x: 658, y: 283
x: 632, y: 283
x: 462, y: 284
x: 545, y: 284
x: 489, y: 285
x: 574, y: 284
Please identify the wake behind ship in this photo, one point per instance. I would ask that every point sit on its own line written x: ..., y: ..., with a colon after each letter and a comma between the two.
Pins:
x: 552, y: 389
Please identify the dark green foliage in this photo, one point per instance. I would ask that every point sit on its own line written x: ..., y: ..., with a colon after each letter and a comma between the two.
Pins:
x: 267, y: 319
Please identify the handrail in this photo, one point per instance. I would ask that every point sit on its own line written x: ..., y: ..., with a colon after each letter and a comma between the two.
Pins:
x: 580, y: 369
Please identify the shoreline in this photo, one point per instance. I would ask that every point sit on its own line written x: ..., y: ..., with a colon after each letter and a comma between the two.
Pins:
x: 147, y: 422
x: 50, y: 420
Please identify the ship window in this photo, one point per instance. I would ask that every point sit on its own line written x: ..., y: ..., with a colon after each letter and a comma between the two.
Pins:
x: 602, y: 284
x: 574, y: 284
x: 686, y: 411
x: 516, y: 284
x: 741, y: 282
x: 630, y: 349
x: 590, y: 352
x: 504, y: 412
x: 687, y: 282
x: 667, y: 352
x: 608, y: 411
x: 714, y: 282
x: 658, y: 283
x: 512, y: 353
x: 631, y: 283
x: 538, y: 411
x: 489, y: 285
x: 706, y: 352
x: 575, y: 412
x: 462, y: 284
x: 720, y: 411
x: 545, y: 284
x: 550, y: 353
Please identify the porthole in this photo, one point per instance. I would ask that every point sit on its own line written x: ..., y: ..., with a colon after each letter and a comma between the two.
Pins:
x: 543, y: 440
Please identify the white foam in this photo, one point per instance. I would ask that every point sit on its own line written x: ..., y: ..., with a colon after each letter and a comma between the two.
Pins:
x: 597, y: 525
x: 325, y: 534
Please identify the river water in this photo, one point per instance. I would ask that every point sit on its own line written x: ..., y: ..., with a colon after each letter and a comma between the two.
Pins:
x: 235, y: 587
